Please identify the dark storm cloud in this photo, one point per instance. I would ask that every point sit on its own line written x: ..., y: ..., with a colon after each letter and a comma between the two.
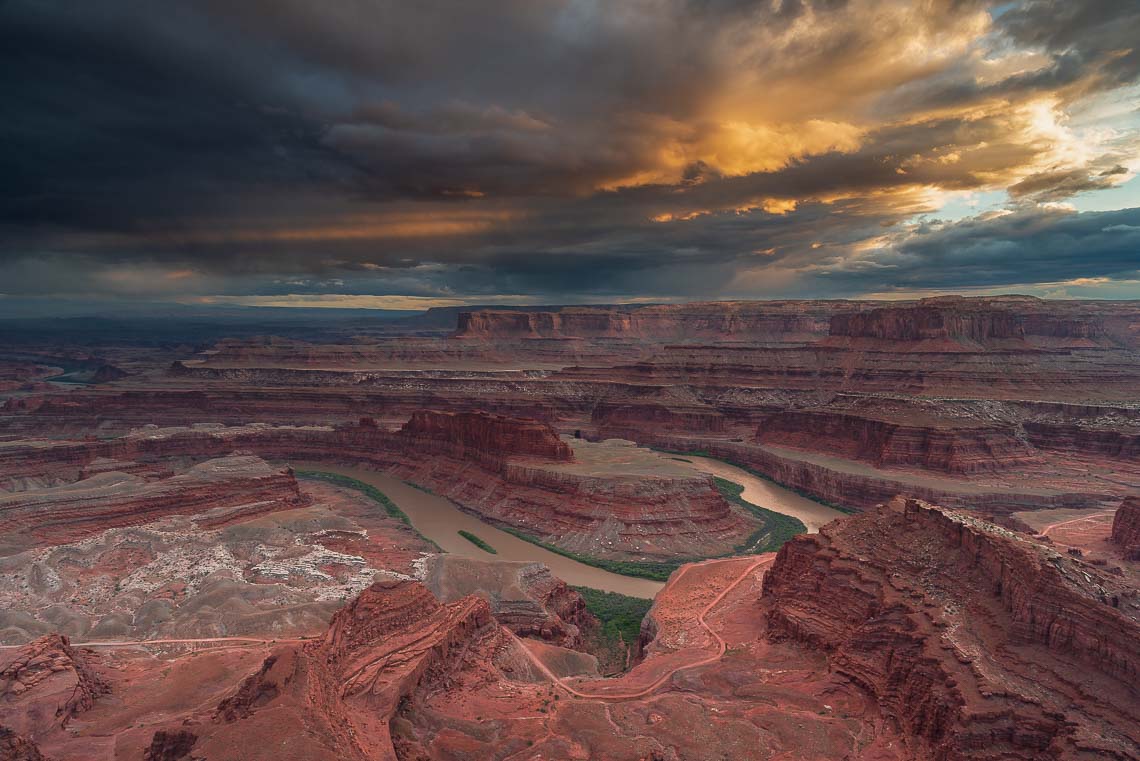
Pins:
x: 1053, y: 247
x: 1102, y: 34
x: 121, y: 117
x: 664, y: 148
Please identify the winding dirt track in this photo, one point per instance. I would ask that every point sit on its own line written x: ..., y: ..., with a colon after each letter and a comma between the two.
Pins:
x: 145, y: 642
x: 722, y: 646
x: 1045, y: 531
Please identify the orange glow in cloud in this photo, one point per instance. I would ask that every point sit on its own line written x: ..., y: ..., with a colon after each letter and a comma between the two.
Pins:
x: 435, y: 223
x: 426, y: 224
x: 777, y: 206
x: 734, y: 148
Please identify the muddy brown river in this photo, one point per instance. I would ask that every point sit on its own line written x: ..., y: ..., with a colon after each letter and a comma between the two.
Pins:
x: 767, y: 494
x: 440, y: 520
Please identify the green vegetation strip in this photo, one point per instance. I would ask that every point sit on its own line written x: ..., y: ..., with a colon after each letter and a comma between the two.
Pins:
x: 370, y: 491
x: 478, y: 542
x: 641, y: 569
x: 777, y: 529
x: 762, y: 476
x: 620, y: 614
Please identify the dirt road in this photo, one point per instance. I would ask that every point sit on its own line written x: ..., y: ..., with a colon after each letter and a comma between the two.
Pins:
x: 642, y: 692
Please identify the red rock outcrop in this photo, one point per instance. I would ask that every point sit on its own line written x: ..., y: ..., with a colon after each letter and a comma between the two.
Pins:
x: 1126, y: 527
x: 391, y: 642
x: 888, y: 437
x: 46, y: 683
x: 635, y: 416
x: 1118, y: 443
x: 981, y: 643
x: 14, y: 747
x: 990, y: 321
x: 597, y: 506
x: 944, y: 318
x: 458, y: 433
x: 170, y: 745
x: 771, y: 321
x: 245, y: 485
x: 928, y: 323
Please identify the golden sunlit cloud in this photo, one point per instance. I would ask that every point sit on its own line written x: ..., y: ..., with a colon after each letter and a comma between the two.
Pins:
x: 736, y: 148
x: 685, y: 148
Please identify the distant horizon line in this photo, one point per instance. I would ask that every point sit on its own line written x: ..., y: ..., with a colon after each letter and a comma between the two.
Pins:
x: 87, y: 307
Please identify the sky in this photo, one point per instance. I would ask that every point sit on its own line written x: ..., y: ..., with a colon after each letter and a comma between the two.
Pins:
x: 394, y: 154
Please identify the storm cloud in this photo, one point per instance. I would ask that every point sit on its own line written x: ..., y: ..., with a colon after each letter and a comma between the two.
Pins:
x: 561, y: 150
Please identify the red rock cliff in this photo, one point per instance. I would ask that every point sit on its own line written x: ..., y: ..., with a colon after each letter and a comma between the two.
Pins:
x: 485, y: 433
x: 959, y: 447
x: 386, y: 646
x: 247, y: 485
x: 1126, y: 527
x: 45, y: 684
x: 980, y: 643
x: 918, y: 323
x: 763, y: 321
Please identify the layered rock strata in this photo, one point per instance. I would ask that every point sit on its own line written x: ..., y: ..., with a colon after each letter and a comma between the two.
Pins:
x: 981, y: 643
x: 1126, y: 527
x: 393, y: 641
x: 45, y: 684
x: 772, y: 321
x: 885, y: 439
x: 928, y: 323
x: 993, y: 321
x: 831, y: 480
x: 458, y: 434
x: 1121, y: 443
x: 235, y: 487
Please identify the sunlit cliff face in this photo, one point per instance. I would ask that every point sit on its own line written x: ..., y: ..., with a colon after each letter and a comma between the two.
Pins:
x: 561, y: 150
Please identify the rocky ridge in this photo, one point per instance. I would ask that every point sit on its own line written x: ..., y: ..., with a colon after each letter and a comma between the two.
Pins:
x: 391, y: 642
x: 233, y: 486
x: 773, y: 321
x: 459, y: 433
x: 43, y: 686
x: 981, y: 643
x: 891, y: 433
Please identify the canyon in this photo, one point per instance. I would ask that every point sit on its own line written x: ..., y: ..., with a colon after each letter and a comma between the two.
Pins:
x: 870, y: 531
x: 847, y: 643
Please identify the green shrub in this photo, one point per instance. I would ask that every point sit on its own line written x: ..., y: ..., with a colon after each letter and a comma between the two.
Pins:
x: 648, y: 569
x: 620, y: 615
x: 478, y: 542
